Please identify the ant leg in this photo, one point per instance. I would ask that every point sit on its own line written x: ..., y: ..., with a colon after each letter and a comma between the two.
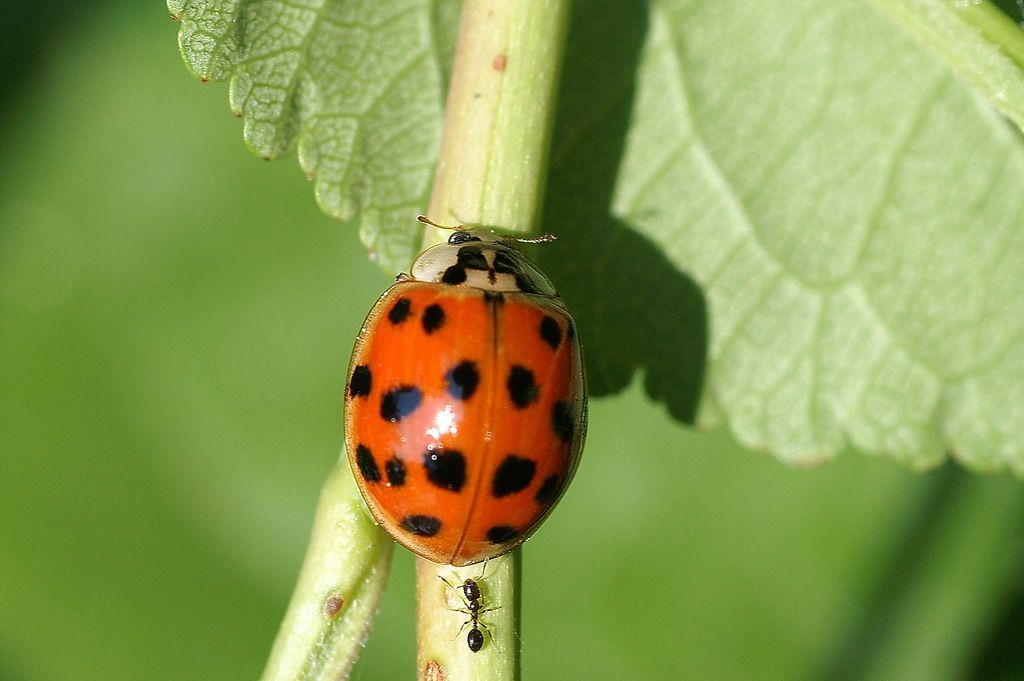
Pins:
x: 457, y: 589
x: 481, y: 625
x: 461, y: 629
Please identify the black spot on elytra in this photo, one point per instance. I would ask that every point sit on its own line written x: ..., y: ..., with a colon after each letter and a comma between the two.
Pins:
x: 513, y: 475
x: 395, y: 470
x: 548, y: 490
x: 551, y: 332
x: 399, y: 311
x: 562, y: 420
x: 456, y: 274
x: 505, y: 263
x: 433, y: 318
x: 396, y: 404
x: 472, y: 258
x: 521, y: 387
x: 421, y: 525
x: 462, y: 380
x: 367, y: 464
x: 499, y: 534
x: 362, y: 381
x: 494, y: 297
x: 445, y: 468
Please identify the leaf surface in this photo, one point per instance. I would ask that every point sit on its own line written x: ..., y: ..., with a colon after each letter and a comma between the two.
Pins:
x: 849, y: 209
x: 791, y: 216
x: 356, y: 85
x: 855, y: 220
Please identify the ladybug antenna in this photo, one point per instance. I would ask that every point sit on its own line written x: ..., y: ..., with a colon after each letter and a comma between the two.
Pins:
x: 542, y: 239
x: 427, y: 221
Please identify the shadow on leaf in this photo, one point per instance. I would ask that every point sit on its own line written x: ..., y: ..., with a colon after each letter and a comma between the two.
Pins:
x: 635, y: 310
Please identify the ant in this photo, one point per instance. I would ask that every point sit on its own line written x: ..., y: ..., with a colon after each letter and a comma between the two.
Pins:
x: 471, y: 598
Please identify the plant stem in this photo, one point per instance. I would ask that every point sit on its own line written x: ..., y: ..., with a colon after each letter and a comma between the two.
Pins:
x: 341, y: 584
x: 963, y: 571
x: 442, y: 637
x: 501, y: 106
x: 491, y: 171
x: 977, y: 40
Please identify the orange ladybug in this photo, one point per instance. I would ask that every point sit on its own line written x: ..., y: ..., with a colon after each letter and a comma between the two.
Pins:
x: 465, y: 405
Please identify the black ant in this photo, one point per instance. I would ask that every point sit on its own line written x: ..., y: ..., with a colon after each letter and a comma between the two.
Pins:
x: 471, y: 597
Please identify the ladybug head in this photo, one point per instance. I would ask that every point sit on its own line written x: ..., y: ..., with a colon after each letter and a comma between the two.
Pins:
x: 481, y: 260
x: 461, y: 237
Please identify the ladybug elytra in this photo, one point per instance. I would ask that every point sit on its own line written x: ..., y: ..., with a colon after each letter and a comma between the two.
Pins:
x: 465, y: 405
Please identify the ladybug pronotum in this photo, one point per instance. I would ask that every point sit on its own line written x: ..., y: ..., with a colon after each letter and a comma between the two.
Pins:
x: 465, y: 405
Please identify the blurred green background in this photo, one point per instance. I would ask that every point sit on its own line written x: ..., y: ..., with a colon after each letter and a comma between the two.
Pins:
x: 176, y: 322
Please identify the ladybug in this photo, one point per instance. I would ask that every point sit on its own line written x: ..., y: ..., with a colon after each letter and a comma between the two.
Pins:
x: 465, y: 405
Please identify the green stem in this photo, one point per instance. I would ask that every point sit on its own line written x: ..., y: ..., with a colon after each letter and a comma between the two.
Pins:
x: 491, y: 171
x: 996, y: 26
x: 978, y: 41
x: 958, y: 580
x: 342, y: 580
x: 501, y: 106
x: 441, y: 631
x: 960, y: 564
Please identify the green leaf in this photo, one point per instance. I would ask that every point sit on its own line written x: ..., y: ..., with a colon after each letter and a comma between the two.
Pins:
x: 357, y: 85
x: 791, y: 217
x: 816, y: 198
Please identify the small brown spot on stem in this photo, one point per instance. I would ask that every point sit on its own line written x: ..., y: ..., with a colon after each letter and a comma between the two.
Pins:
x: 499, y: 62
x: 434, y: 672
x: 333, y: 605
